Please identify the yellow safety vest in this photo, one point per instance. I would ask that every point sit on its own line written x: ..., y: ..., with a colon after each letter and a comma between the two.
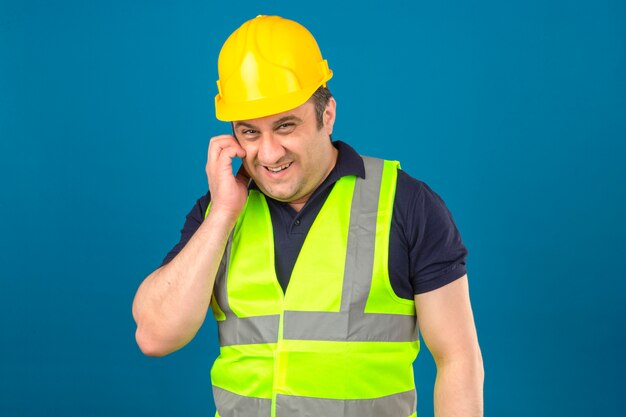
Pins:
x: 339, y: 342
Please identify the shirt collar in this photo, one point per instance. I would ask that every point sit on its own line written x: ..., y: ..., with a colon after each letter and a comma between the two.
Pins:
x: 349, y: 162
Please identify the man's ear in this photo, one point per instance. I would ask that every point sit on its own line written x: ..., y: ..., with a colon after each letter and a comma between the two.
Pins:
x: 329, y: 115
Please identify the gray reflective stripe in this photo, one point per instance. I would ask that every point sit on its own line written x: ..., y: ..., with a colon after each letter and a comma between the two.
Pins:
x: 362, y: 237
x: 221, y: 297
x: 245, y: 331
x: 397, y: 405
x: 230, y: 404
x: 219, y: 287
x: 307, y: 325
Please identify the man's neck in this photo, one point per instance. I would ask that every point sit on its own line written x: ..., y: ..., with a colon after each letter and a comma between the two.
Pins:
x: 301, y: 202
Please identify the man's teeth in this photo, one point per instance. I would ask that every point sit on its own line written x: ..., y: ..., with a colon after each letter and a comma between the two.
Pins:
x: 278, y: 169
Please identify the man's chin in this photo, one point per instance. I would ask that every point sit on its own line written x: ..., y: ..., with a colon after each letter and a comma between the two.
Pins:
x: 276, y: 194
x: 281, y: 197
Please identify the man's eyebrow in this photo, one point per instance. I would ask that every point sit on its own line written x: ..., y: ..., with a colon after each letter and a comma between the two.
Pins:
x: 290, y: 118
x: 245, y: 124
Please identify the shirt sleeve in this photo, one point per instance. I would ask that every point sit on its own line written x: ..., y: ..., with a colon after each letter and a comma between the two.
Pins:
x: 193, y: 221
x: 435, y: 249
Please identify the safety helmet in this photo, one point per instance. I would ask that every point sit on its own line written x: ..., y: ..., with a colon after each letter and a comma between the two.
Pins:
x: 267, y: 66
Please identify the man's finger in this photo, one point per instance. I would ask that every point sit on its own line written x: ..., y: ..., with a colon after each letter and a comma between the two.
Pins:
x: 222, y: 143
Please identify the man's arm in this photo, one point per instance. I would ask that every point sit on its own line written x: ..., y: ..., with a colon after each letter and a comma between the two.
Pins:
x: 172, y: 302
x: 447, y: 325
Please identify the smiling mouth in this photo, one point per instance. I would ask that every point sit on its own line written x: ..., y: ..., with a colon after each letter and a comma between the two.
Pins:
x: 278, y: 168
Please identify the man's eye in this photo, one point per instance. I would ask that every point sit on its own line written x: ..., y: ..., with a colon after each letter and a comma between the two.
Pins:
x: 286, y: 127
x: 249, y: 132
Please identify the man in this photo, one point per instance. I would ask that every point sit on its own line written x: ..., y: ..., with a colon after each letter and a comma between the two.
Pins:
x: 317, y: 263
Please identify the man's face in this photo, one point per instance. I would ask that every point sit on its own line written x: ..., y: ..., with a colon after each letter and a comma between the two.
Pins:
x: 287, y: 156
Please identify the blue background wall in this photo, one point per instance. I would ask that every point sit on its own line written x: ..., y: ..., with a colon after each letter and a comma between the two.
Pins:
x: 514, y: 112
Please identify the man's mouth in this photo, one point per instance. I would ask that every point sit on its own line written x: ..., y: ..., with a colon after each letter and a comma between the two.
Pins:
x: 278, y: 168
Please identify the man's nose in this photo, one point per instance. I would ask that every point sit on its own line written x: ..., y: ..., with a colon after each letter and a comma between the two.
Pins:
x: 270, y: 149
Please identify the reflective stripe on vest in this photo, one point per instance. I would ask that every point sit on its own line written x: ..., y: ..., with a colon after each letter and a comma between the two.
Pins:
x: 339, y: 342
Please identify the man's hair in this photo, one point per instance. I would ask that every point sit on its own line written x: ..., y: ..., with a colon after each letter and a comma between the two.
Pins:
x: 320, y: 99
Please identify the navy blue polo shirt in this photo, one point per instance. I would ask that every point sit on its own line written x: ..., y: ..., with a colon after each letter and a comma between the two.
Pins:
x: 425, y: 248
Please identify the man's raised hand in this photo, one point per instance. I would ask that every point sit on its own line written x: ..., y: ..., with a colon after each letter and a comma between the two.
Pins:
x: 228, y: 191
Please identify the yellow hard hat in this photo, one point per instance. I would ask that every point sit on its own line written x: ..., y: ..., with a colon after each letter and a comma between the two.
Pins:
x: 267, y: 66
